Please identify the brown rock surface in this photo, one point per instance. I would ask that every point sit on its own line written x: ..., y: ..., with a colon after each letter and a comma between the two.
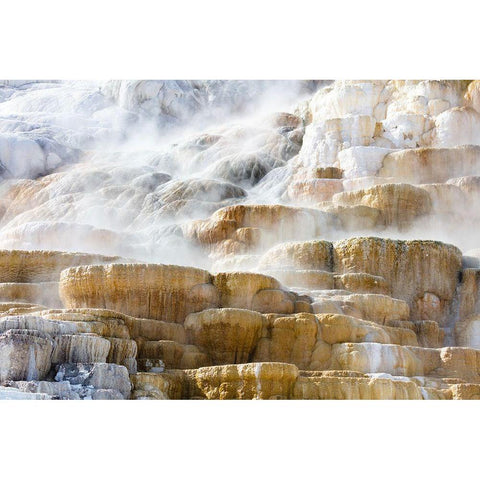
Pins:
x: 45, y: 293
x: 291, y: 307
x: 238, y: 289
x: 163, y: 292
x: 411, y: 268
x: 228, y: 335
x: 431, y: 165
x: 400, y: 204
x: 20, y: 266
x: 313, y: 255
x: 244, y: 381
x: 362, y: 283
x: 355, y: 388
x: 173, y: 354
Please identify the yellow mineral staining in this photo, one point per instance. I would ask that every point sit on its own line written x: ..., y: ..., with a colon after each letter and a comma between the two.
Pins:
x: 166, y: 386
x: 237, y: 289
x: 465, y: 391
x: 376, y: 358
x: 259, y: 381
x: 210, y: 232
x: 273, y: 300
x: 400, y: 204
x: 309, y: 279
x: 411, y: 268
x: 45, y: 293
x: 283, y: 288
x: 269, y: 381
x: 362, y: 283
x: 290, y: 339
x: 431, y: 165
x: 162, y: 292
x: 173, y: 354
x: 314, y: 255
x: 229, y: 335
x: 357, y: 217
x: 20, y: 266
x: 344, y: 329
x: 355, y: 388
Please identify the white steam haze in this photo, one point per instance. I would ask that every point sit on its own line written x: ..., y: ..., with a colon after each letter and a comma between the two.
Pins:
x: 122, y: 167
x: 115, y: 147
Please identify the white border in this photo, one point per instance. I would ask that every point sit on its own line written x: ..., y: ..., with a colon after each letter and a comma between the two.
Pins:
x: 248, y: 39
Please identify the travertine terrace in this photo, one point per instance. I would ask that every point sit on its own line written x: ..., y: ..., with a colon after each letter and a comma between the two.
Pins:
x: 240, y: 240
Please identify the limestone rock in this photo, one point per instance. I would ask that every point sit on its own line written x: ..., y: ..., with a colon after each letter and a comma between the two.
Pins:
x: 345, y: 329
x: 284, y: 223
x: 355, y: 388
x: 199, y: 189
x: 308, y: 279
x: 11, y: 393
x: 294, y: 307
x: 357, y: 217
x: 361, y: 161
x: 98, y: 375
x: 472, y: 95
x: 457, y: 126
x: 237, y: 289
x: 465, y: 391
x: 313, y: 255
x: 209, y: 231
x: 102, y: 322
x: 164, y: 386
x: 122, y: 351
x: 24, y: 355
x: 19, y: 266
x: 149, y: 329
x: 38, y: 323
x: 431, y: 165
x: 445, y: 198
x: 399, y: 203
x: 376, y: 358
x: 289, y: 339
x: 468, y: 332
x: 362, y: 283
x: 44, y: 293
x: 54, y: 390
x: 244, y: 381
x: 273, y: 300
x: 411, y: 268
x: 468, y: 184
x: 430, y: 334
x: 172, y: 354
x: 380, y: 309
x: 84, y: 348
x: 228, y: 335
x: 314, y: 190
x: 469, y: 293
x: 163, y: 292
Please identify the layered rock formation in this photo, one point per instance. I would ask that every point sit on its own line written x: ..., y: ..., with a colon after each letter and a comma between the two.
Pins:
x: 322, y: 251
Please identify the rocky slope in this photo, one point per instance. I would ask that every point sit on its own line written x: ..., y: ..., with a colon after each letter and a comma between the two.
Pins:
x: 240, y: 240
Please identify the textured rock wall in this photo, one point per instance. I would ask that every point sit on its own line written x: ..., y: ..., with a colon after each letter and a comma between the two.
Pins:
x: 320, y: 251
